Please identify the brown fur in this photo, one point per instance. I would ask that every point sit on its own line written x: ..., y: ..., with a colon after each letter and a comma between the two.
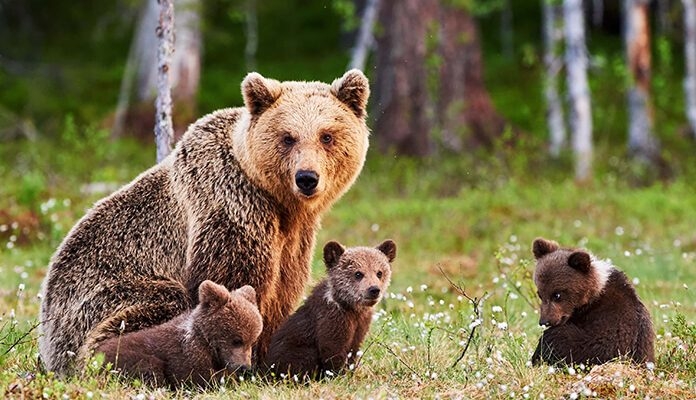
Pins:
x: 327, y: 331
x: 198, y: 346
x: 226, y: 205
x: 593, y: 310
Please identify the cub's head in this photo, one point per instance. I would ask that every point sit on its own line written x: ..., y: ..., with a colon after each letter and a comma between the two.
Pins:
x: 358, y: 276
x: 304, y: 142
x: 229, y: 322
x: 566, y: 279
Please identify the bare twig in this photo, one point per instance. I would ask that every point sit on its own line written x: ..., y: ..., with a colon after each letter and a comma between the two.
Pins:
x: 20, y: 339
x: 379, y: 342
x: 475, y: 302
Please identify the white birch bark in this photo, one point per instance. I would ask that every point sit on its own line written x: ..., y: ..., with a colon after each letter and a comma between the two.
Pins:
x: 578, y: 89
x: 553, y: 34
x: 690, y: 59
x: 164, y: 130
x: 641, y: 141
x: 365, y: 39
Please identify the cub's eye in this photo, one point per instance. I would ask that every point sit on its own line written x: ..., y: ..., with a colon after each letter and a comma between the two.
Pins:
x: 326, y: 138
x: 288, y: 140
x: 237, y: 342
x: 379, y: 274
x: 359, y: 275
x: 556, y: 296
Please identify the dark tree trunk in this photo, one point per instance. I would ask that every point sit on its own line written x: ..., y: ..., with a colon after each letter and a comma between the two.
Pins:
x: 429, y: 85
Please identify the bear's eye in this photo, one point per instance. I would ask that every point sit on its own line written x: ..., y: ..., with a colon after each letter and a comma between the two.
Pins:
x: 556, y: 296
x: 359, y: 275
x: 326, y: 138
x: 237, y: 342
x: 288, y: 140
x: 379, y: 274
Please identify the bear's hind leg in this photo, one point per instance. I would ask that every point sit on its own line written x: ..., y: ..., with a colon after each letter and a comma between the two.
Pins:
x: 148, y: 303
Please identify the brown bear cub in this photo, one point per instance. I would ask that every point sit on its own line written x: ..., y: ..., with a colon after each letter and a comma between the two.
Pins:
x: 592, y: 310
x: 324, y: 334
x: 198, y: 346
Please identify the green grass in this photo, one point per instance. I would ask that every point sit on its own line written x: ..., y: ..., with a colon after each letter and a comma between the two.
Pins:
x: 473, y: 217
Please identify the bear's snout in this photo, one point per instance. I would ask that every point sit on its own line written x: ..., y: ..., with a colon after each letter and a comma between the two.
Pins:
x: 307, y: 181
x: 373, y: 292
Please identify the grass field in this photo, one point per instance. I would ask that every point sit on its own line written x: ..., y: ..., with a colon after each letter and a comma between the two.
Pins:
x: 471, y: 219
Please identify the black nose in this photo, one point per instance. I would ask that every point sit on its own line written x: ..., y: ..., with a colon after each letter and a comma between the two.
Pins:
x: 306, y: 181
x: 543, y: 322
x: 373, y: 292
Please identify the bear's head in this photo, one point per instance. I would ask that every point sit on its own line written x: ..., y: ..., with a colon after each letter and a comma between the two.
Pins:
x: 566, y: 279
x: 358, y: 276
x: 304, y: 142
x: 229, y: 322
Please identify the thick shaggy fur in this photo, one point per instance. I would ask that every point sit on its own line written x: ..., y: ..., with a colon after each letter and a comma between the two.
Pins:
x: 592, y: 309
x: 196, y: 347
x: 238, y: 201
x: 325, y: 334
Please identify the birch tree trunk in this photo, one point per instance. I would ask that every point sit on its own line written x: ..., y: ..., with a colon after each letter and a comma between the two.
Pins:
x: 641, y: 143
x: 578, y: 89
x: 141, y: 70
x: 553, y: 34
x: 690, y: 58
x: 164, y: 130
x: 365, y: 39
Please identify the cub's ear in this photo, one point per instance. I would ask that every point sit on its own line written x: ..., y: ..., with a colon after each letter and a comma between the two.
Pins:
x: 352, y: 89
x: 332, y: 253
x: 259, y: 93
x: 212, y: 295
x: 248, y: 293
x: 388, y: 247
x: 542, y: 247
x: 580, y: 261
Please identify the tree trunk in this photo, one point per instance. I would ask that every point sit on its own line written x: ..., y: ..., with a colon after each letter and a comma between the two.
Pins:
x: 578, y: 89
x: 690, y: 59
x: 164, y: 131
x: 553, y: 34
x: 641, y: 142
x: 252, y: 35
x: 141, y: 69
x: 365, y: 39
x: 507, y: 32
x: 429, y: 84
x: 597, y: 12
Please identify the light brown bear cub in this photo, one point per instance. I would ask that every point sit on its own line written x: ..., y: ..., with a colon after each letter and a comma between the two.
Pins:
x: 324, y: 334
x: 592, y: 309
x: 196, y: 347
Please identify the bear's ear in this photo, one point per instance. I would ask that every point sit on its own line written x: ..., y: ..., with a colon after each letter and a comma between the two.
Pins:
x: 542, y: 247
x: 332, y: 253
x: 580, y: 261
x: 352, y: 89
x: 248, y: 293
x: 259, y: 93
x: 212, y: 295
x: 388, y: 247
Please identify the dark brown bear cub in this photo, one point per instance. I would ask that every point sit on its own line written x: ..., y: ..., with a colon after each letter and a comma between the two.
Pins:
x: 196, y: 347
x: 324, y: 334
x: 592, y: 309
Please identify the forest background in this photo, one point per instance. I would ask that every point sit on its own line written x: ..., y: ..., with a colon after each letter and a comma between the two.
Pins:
x: 464, y: 170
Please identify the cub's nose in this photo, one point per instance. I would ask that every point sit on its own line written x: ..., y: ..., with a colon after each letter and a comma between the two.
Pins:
x: 307, y: 181
x: 543, y: 322
x: 373, y: 292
